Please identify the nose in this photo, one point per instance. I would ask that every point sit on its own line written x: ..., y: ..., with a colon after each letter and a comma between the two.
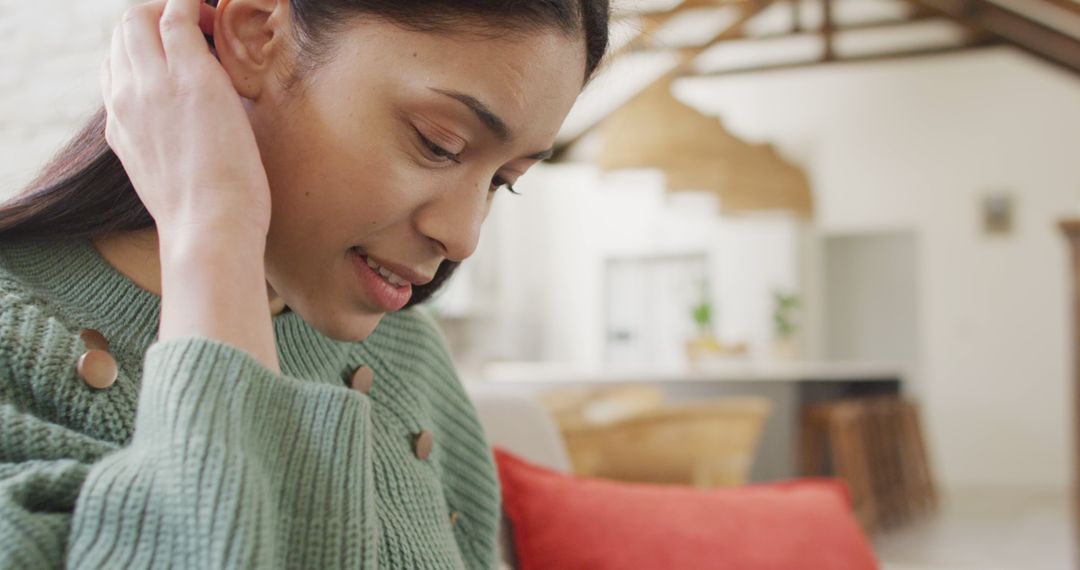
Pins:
x: 452, y: 218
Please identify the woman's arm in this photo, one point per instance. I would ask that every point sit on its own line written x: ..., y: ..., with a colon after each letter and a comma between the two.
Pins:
x: 42, y: 467
x: 231, y: 465
x: 178, y: 126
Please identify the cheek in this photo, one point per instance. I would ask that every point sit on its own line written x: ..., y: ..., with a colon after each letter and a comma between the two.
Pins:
x: 329, y: 184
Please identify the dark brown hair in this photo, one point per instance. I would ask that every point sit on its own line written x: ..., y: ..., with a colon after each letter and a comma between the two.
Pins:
x: 84, y: 192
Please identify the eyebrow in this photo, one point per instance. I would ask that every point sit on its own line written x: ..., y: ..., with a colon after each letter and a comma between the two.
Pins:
x: 489, y: 119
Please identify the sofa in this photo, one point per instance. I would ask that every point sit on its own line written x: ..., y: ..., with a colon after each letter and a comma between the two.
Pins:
x: 770, y: 524
x: 519, y: 424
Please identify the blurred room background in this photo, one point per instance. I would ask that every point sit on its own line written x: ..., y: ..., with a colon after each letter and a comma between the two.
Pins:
x: 798, y: 203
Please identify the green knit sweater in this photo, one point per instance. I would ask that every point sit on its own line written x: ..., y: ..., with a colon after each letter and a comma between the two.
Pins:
x: 200, y: 457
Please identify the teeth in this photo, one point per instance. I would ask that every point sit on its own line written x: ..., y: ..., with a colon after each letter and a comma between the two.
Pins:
x: 388, y: 275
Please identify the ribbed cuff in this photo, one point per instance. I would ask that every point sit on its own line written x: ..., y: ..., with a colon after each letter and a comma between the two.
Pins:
x: 188, y: 383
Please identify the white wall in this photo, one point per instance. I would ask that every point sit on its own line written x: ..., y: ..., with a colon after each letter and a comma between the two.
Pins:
x: 871, y: 289
x: 550, y: 246
x: 911, y: 145
x: 51, y: 53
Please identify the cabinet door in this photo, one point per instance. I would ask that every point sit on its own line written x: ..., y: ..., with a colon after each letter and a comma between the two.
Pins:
x: 648, y: 307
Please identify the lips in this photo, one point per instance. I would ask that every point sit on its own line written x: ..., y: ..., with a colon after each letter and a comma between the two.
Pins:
x: 385, y: 295
x: 402, y: 272
x: 391, y: 277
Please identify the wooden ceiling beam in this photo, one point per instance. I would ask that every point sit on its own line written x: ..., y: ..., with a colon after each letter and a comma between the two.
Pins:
x: 1029, y: 35
x: 1070, y: 5
x: 980, y: 42
x: 736, y: 30
x: 827, y: 29
x: 750, y: 9
x: 653, y: 21
x: 684, y: 5
x: 976, y: 37
x: 917, y: 15
x: 861, y: 26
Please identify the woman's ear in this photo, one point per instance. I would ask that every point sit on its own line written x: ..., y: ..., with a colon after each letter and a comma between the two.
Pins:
x: 250, y: 38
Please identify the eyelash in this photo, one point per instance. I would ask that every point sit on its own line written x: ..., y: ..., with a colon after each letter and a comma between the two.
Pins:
x: 441, y: 152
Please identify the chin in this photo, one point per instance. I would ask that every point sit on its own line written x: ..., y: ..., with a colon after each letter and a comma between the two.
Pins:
x: 344, y: 324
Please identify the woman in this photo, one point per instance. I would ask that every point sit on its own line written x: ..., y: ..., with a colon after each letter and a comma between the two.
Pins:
x: 207, y: 350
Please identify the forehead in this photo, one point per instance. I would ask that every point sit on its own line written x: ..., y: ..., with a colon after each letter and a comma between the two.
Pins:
x: 530, y: 80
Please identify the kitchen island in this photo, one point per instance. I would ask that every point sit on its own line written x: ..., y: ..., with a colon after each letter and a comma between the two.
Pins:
x: 788, y: 385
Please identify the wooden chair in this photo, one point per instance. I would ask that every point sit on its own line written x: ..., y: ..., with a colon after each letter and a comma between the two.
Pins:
x: 706, y: 443
x: 585, y: 406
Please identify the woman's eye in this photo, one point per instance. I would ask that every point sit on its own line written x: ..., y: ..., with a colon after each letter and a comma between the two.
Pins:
x: 499, y: 182
x: 439, y: 152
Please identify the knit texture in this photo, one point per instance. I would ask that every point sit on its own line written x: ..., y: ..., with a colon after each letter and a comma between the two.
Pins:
x: 200, y: 457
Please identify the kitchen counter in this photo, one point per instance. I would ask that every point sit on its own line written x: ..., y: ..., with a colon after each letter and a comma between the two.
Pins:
x: 726, y: 371
x: 789, y: 386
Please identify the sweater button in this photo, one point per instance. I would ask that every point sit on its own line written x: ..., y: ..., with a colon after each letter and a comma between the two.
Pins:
x: 362, y: 380
x: 423, y: 444
x: 97, y: 369
x: 453, y: 518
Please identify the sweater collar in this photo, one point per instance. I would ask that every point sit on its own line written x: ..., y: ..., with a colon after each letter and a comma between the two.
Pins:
x: 73, y: 275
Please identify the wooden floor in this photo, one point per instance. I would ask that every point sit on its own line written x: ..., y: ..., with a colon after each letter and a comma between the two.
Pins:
x: 985, y: 531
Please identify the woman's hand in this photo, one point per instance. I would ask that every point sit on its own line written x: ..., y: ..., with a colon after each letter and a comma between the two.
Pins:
x: 178, y: 125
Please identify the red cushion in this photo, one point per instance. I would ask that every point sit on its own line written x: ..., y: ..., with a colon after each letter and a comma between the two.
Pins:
x: 566, y: 522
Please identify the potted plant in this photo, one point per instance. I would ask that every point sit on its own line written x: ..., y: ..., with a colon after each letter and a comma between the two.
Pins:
x: 784, y: 345
x: 704, y: 344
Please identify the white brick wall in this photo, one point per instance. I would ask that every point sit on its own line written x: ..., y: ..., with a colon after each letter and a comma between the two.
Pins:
x: 50, y: 54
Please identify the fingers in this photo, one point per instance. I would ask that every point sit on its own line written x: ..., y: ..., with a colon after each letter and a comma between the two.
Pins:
x: 180, y: 33
x: 142, y: 41
x: 106, y: 92
x: 151, y: 38
x: 110, y: 70
x: 119, y: 65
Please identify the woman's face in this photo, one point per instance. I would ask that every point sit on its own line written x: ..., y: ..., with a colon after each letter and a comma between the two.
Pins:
x: 395, y: 149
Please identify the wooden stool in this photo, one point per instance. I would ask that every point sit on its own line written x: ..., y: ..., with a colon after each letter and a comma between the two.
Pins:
x: 886, y: 471
x: 922, y: 494
x: 834, y: 442
x: 902, y: 476
x: 876, y: 445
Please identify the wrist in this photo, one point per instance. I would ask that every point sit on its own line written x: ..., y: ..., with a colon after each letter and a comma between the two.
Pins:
x: 204, y: 236
x: 204, y: 244
x: 228, y: 216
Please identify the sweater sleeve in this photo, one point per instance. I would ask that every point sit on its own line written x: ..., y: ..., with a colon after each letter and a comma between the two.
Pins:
x: 37, y: 495
x: 230, y: 466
